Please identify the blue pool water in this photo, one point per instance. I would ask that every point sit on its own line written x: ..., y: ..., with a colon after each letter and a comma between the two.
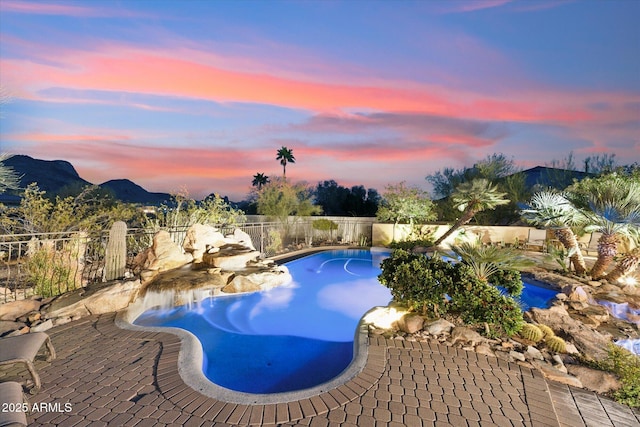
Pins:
x: 292, y: 337
x: 288, y: 338
x: 535, y: 296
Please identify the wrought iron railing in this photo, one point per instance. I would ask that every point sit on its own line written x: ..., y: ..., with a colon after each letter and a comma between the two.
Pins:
x: 48, y: 264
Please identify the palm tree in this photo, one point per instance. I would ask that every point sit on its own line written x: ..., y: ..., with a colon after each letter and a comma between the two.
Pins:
x: 554, y: 210
x: 259, y: 180
x: 625, y: 266
x: 472, y: 197
x: 285, y: 156
x: 612, y: 207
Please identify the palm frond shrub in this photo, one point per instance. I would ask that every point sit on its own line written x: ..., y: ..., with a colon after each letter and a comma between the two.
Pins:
x: 494, y: 264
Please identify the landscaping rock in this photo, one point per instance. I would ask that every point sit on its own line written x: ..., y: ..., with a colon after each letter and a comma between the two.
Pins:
x: 410, y: 323
x: 243, y: 238
x: 533, y: 353
x: 558, y: 363
x: 593, y: 379
x: 241, y: 284
x: 259, y: 281
x: 23, y: 330
x: 42, y: 326
x: 484, y: 348
x: 7, y: 326
x: 576, y: 293
x: 464, y: 335
x: 15, y: 309
x: 554, y: 374
x: 516, y: 355
x: 439, y: 327
x: 104, y: 300
x: 589, y: 342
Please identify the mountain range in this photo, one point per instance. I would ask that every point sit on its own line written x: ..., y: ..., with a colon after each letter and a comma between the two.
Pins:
x: 60, y: 177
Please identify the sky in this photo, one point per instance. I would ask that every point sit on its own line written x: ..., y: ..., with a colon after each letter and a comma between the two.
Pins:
x: 200, y: 95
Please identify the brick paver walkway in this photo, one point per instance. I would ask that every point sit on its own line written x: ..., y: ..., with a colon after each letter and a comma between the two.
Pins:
x: 109, y: 376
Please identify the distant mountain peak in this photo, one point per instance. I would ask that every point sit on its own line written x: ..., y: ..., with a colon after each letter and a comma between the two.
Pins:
x: 52, y: 176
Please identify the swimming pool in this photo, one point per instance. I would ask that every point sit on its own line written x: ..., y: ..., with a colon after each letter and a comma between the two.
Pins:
x: 288, y: 338
x: 293, y: 337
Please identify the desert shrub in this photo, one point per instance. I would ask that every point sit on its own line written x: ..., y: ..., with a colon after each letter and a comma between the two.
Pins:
x: 55, y: 270
x: 626, y: 366
x: 275, y: 242
x: 91, y: 210
x: 433, y: 287
x: 325, y: 225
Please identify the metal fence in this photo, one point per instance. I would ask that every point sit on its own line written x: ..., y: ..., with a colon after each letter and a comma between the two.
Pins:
x: 49, y: 264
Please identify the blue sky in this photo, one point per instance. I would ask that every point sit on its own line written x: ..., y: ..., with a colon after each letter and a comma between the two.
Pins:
x: 200, y: 95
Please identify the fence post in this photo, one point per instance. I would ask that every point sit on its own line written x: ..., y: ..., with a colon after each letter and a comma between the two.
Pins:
x: 262, y: 238
x: 116, y: 252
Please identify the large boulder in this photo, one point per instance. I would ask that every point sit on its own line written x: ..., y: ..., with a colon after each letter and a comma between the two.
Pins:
x: 232, y: 257
x: 164, y: 254
x: 243, y: 238
x: 107, y: 299
x: 201, y: 237
x: 594, y: 379
x: 410, y: 323
x: 258, y: 281
x: 554, y: 374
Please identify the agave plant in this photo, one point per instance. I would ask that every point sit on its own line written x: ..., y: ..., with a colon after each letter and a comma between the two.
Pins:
x: 473, y: 197
x: 553, y: 210
x: 488, y: 260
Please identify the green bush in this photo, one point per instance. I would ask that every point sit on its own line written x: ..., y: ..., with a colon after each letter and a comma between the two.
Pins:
x: 424, y: 284
x: 418, y: 281
x: 408, y: 245
x: 511, y: 280
x: 479, y: 302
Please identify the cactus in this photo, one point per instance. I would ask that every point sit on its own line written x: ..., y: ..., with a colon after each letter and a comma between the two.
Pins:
x: 531, y: 332
x: 556, y: 344
x: 116, y: 252
x: 547, y: 331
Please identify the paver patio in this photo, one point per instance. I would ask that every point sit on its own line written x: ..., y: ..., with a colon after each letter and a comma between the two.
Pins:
x: 109, y: 376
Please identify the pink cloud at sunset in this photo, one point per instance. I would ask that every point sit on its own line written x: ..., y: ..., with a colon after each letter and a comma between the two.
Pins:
x: 203, y: 93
